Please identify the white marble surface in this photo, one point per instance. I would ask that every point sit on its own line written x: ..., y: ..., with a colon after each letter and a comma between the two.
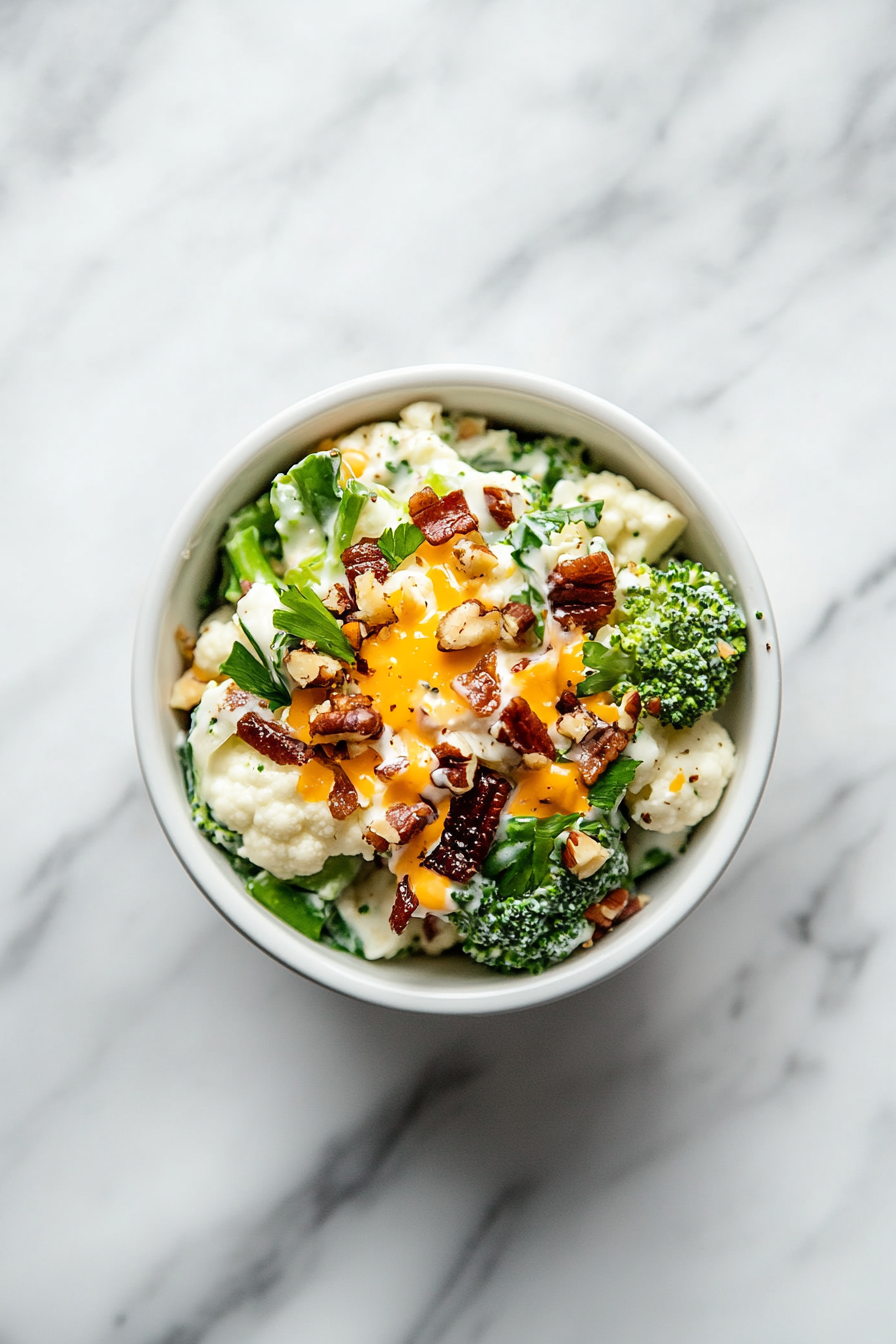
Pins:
x: 209, y: 210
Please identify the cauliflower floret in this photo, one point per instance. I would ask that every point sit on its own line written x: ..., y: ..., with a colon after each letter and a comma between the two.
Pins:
x: 281, y: 831
x: 217, y: 636
x: 635, y: 524
x: 422, y: 415
x: 682, y: 775
x: 366, y: 905
x: 256, y: 611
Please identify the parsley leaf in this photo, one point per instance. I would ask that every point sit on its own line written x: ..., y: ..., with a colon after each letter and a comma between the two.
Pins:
x: 536, y: 527
x: 607, y: 792
x: 521, y: 862
x: 397, y: 543
x: 653, y: 859
x: 254, y: 674
x: 306, y: 617
x: 610, y: 666
x: 354, y: 497
x: 316, y: 480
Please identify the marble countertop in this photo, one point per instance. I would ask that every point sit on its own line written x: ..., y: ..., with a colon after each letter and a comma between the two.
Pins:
x: 208, y: 212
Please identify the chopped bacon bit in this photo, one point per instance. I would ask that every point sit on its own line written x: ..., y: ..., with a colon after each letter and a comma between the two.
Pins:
x: 404, y: 907
x: 517, y: 619
x: 272, y: 740
x: 521, y: 728
x: 601, y: 751
x: 521, y: 665
x: 432, y: 927
x: 409, y: 819
x: 350, y: 718
x: 343, y: 799
x: 480, y: 687
x: 568, y: 703
x: 470, y: 827
x: 654, y: 706
x: 376, y: 841
x: 500, y: 505
x: 365, y: 557
x: 582, y: 590
x: 441, y: 519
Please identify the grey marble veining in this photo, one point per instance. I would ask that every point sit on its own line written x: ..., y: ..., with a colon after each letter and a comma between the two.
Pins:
x: 208, y: 211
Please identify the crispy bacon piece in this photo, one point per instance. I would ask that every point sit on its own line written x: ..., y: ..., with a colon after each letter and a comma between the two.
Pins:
x: 350, y: 718
x: 568, y: 703
x: 441, y: 519
x: 521, y: 728
x: 582, y: 590
x: 272, y: 740
x: 600, y: 751
x: 236, y: 697
x: 480, y: 687
x: 456, y: 769
x: 343, y: 799
x: 500, y: 505
x: 365, y: 557
x: 404, y: 907
x: 470, y: 827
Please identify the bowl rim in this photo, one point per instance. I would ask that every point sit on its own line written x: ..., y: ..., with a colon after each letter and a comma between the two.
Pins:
x: 340, y: 971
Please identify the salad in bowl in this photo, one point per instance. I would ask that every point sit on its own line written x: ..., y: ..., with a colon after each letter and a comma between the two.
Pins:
x: 455, y: 692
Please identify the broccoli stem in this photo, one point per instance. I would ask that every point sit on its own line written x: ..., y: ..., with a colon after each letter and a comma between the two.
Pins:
x: 249, y: 562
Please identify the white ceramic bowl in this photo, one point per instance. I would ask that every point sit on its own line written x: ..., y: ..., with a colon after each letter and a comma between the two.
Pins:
x: 621, y: 443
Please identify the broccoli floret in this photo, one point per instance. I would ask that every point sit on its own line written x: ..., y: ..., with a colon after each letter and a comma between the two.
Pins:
x: 533, y: 928
x: 679, y: 639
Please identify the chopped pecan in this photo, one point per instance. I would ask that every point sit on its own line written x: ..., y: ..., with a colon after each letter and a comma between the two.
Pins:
x: 400, y: 824
x: 582, y: 590
x: 346, y: 718
x: 468, y: 625
x: 470, y: 827
x: 600, y: 751
x: 376, y: 841
x: 480, y: 687
x: 500, y: 505
x: 441, y: 519
x: 632, y: 906
x: 521, y: 728
x: 185, y: 642
x: 312, y: 669
x: 608, y: 909
x: 187, y: 691
x: 343, y: 799
x: 629, y: 712
x: 577, y: 723
x: 471, y: 426
x: 567, y: 703
x: 338, y: 600
x: 235, y: 698
x: 373, y: 606
x: 583, y: 855
x: 517, y: 619
x: 272, y: 739
x: 473, y: 558
x: 355, y: 632
x: 365, y: 557
x: 457, y: 766
x: 404, y: 907
x: 389, y: 769
x: 654, y: 706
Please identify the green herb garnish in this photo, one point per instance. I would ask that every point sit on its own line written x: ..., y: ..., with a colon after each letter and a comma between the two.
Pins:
x: 306, y: 618
x: 608, y: 790
x: 609, y: 667
x: 354, y: 497
x: 535, y: 528
x: 397, y: 543
x: 255, y: 674
x: 520, y: 863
